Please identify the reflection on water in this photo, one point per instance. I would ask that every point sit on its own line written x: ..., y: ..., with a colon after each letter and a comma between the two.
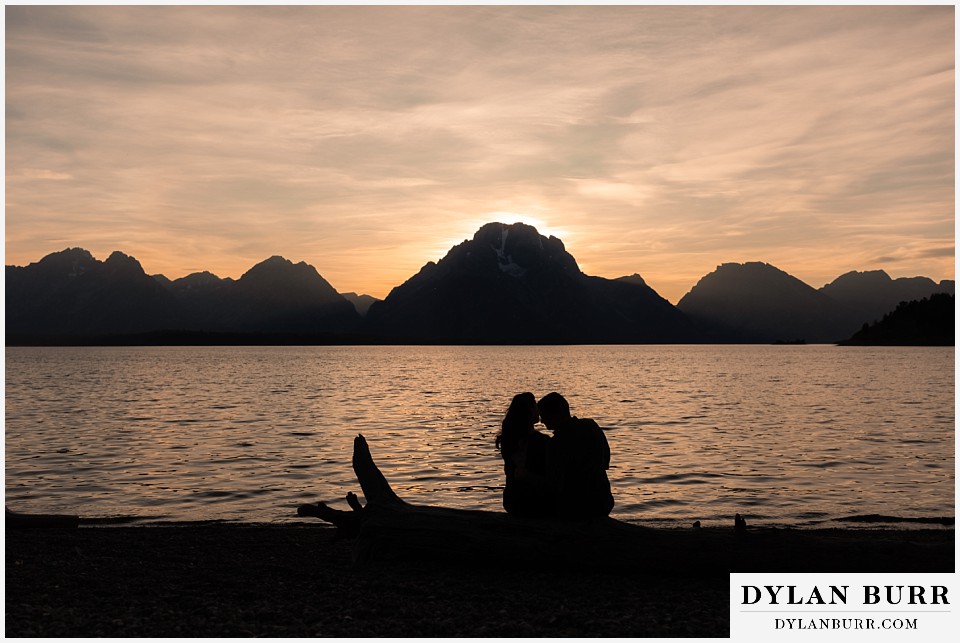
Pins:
x: 782, y: 434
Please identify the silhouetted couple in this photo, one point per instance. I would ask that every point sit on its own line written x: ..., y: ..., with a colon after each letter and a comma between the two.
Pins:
x: 564, y: 476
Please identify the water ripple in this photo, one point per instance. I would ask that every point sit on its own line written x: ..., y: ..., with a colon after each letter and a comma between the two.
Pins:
x: 794, y: 437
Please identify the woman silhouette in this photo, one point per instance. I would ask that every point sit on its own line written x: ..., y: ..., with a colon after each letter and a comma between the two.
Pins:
x: 524, y: 452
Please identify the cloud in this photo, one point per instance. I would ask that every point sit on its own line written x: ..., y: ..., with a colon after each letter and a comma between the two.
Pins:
x: 35, y: 174
x: 662, y: 140
x: 948, y: 251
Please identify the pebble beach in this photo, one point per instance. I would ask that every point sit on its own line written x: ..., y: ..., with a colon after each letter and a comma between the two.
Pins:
x: 300, y: 580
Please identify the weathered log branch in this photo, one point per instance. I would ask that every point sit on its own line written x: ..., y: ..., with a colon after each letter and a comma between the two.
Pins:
x: 388, y: 528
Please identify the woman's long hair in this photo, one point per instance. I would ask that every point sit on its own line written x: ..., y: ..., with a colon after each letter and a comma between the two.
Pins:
x: 521, y: 415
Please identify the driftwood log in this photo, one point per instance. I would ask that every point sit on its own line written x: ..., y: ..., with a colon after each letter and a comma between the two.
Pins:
x: 388, y: 529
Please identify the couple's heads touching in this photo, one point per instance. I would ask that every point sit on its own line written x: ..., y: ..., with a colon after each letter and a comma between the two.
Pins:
x: 524, y: 410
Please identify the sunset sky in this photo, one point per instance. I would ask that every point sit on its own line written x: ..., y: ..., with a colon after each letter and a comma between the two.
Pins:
x: 367, y: 141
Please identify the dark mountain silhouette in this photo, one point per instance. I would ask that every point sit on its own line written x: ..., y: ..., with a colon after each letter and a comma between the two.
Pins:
x: 202, y: 298
x: 70, y: 293
x: 280, y: 296
x: 632, y: 279
x: 870, y: 295
x: 160, y: 279
x: 756, y: 302
x: 361, y: 302
x: 926, y: 322
x: 509, y: 284
x: 198, y: 283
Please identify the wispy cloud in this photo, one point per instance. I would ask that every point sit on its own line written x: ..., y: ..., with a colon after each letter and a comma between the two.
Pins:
x: 661, y: 140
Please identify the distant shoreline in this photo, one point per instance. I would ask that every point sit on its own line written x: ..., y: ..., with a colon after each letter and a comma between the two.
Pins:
x: 205, y: 338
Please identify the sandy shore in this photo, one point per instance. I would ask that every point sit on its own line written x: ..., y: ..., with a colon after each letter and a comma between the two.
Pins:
x: 297, y: 581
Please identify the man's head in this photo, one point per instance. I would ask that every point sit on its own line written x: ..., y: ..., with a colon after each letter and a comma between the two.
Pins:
x: 554, y: 410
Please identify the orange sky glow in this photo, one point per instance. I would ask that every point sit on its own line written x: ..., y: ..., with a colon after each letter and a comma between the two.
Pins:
x: 367, y: 141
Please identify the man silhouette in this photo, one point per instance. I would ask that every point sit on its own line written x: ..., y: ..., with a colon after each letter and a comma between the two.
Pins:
x: 577, y: 461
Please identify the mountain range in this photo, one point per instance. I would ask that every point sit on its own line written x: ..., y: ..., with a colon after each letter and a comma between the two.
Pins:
x: 69, y: 293
x: 507, y: 285
x: 757, y: 302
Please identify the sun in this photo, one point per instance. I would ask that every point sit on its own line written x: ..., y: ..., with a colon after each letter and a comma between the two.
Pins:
x: 513, y: 216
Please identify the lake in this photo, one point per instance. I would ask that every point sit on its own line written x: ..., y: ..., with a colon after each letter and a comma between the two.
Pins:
x: 785, y: 435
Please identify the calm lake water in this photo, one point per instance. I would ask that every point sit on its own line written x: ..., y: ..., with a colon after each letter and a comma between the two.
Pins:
x: 786, y: 435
